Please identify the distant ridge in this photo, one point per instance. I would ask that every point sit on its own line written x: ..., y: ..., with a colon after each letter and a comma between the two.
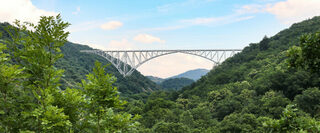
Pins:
x: 155, y: 79
x: 192, y: 74
x: 178, y: 81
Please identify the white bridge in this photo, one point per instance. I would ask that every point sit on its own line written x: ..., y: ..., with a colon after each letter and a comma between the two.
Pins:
x: 126, y: 61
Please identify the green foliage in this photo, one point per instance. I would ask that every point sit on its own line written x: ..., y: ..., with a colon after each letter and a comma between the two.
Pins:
x: 31, y: 99
x: 73, y: 102
x: 155, y: 79
x: 175, y: 83
x: 37, y: 51
x: 9, y: 79
x: 246, y: 93
x: 164, y: 127
x: 101, y: 98
x: 119, y: 122
x: 273, y: 103
x: 239, y: 123
x: 78, y: 64
x: 309, y: 101
x: 264, y: 44
x: 291, y: 121
x: 307, y: 54
x: 99, y: 89
x: 100, y: 92
x: 250, y: 92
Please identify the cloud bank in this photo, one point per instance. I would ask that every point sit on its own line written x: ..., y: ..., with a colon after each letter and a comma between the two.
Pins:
x: 22, y: 10
x: 288, y: 11
x: 292, y: 11
x: 111, y: 25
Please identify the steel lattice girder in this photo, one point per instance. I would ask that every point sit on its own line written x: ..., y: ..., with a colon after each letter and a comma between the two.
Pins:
x: 126, y: 61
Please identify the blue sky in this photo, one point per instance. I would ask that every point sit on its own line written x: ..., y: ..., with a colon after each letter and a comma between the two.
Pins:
x: 168, y: 24
x: 167, y: 20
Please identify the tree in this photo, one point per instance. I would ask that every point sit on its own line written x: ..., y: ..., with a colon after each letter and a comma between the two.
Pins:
x: 292, y: 121
x: 307, y: 54
x: 264, y: 44
x: 31, y: 99
x: 273, y: 103
x: 164, y: 127
x: 102, y: 96
x: 237, y: 123
x: 10, y: 77
x: 309, y: 101
x: 37, y: 51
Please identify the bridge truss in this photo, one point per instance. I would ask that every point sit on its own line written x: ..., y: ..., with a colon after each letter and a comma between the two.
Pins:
x: 126, y: 61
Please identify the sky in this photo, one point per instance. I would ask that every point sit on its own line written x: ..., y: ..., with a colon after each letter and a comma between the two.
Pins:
x: 166, y: 24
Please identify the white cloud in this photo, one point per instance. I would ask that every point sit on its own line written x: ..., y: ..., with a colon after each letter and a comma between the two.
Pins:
x: 146, y: 38
x: 23, y: 10
x: 111, y: 25
x: 291, y: 11
x: 77, y: 11
x: 288, y: 11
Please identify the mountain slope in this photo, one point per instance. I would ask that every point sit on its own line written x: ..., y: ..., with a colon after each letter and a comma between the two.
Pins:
x: 192, y: 74
x: 77, y: 64
x: 155, y: 79
x: 175, y: 83
x: 253, y: 62
x: 249, y: 92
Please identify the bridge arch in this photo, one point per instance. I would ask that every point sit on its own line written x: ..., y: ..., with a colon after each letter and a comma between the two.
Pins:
x: 126, y: 61
x: 171, y: 54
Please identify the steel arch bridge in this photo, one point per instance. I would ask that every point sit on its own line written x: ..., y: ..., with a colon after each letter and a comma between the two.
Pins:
x: 126, y: 61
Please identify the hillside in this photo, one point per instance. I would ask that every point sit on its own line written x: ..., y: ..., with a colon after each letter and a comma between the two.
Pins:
x: 192, y: 74
x: 77, y: 65
x: 254, y: 62
x: 175, y: 83
x: 155, y: 79
x: 253, y: 91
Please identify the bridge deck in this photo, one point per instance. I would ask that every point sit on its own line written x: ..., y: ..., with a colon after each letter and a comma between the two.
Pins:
x: 171, y: 50
x: 126, y: 61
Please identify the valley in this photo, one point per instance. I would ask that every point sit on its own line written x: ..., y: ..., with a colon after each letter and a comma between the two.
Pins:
x: 47, y: 85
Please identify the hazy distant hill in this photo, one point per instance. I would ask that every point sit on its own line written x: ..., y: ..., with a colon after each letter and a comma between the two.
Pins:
x: 175, y: 83
x: 192, y: 74
x: 179, y: 81
x: 155, y: 79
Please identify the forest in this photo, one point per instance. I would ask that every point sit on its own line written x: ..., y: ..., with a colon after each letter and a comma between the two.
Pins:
x: 271, y: 86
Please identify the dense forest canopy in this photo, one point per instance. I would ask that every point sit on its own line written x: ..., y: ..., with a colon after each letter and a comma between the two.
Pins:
x: 271, y: 86
x: 265, y: 88
x: 175, y: 83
